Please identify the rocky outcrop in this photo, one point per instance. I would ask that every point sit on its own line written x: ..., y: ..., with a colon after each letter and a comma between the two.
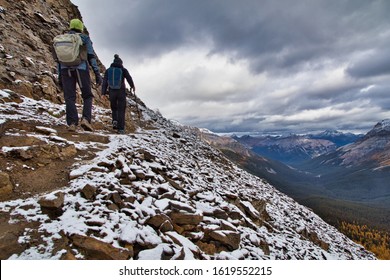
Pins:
x: 97, y: 250
x: 27, y: 29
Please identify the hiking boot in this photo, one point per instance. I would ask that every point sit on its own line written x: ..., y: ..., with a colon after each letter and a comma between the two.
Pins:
x: 114, y: 124
x: 72, y: 128
x: 86, y: 125
x: 121, y: 131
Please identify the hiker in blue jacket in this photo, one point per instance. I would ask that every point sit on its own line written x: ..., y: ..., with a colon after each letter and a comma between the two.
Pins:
x: 69, y: 76
x: 114, y: 81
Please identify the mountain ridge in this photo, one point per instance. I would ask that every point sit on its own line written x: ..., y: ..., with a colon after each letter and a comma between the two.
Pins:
x: 372, y: 147
x: 296, y: 149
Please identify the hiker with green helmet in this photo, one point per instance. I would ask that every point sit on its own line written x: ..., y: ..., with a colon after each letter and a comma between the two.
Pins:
x: 114, y: 81
x: 74, y: 56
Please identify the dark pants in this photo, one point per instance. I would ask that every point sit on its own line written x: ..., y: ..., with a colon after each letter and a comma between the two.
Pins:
x: 118, y: 106
x: 71, y: 77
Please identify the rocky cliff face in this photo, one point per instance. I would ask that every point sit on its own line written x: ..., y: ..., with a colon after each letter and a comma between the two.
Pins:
x: 27, y: 29
x: 158, y: 192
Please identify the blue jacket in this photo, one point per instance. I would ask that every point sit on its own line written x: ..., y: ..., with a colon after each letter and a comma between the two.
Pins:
x: 126, y: 75
x: 90, y: 54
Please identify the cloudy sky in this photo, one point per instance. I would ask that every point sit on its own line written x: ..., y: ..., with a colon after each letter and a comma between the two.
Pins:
x: 252, y: 65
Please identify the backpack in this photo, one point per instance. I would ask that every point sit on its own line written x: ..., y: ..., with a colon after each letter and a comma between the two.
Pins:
x: 114, y: 77
x: 69, y: 49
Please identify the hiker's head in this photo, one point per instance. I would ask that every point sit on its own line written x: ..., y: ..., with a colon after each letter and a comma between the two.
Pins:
x: 76, y: 24
x: 117, y: 60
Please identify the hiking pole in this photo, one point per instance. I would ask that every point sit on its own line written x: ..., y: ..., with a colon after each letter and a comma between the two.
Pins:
x: 136, y: 105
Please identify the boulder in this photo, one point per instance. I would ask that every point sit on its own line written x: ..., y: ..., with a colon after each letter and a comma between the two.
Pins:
x: 207, y: 248
x: 95, y: 249
x: 161, y: 222
x: 46, y: 130
x: 166, y: 226
x: 250, y: 210
x: 185, y: 218
x: 52, y: 201
x: 88, y: 191
x: 180, y: 206
x: 140, y: 174
x: 51, y: 204
x: 149, y: 157
x: 6, y: 185
x: 226, y: 237
x: 220, y: 214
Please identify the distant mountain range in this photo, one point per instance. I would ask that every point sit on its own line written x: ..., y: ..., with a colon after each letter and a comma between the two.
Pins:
x: 370, y: 151
x: 339, y: 182
x: 296, y: 149
x: 337, y: 137
x: 359, y: 171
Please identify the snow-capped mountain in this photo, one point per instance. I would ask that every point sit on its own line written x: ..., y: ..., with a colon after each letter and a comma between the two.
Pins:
x: 337, y: 137
x: 292, y: 149
x: 380, y: 129
x: 295, y: 149
x: 158, y: 192
x: 371, y: 150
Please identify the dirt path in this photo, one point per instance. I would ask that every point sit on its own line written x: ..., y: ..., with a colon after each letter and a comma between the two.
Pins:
x: 39, y: 163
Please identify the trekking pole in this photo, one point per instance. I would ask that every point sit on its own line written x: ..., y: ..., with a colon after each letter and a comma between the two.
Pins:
x: 136, y: 106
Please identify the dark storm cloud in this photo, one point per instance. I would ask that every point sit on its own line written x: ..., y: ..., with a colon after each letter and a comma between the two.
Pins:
x: 263, y: 64
x: 270, y: 34
x: 375, y: 64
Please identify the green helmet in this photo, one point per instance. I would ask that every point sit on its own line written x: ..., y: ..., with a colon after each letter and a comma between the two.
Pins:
x: 76, y: 24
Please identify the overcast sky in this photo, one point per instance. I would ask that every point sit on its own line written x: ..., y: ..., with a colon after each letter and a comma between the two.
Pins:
x: 252, y: 65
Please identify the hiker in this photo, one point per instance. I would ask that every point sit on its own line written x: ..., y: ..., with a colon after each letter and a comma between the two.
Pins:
x: 114, y: 81
x: 75, y: 70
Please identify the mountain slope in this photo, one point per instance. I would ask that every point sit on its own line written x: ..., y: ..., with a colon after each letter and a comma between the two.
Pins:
x: 287, y: 179
x: 358, y: 171
x: 335, y: 193
x: 158, y: 193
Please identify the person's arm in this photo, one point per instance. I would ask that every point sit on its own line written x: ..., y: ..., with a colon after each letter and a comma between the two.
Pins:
x: 129, y: 79
x: 92, y: 59
x: 105, y: 83
x: 59, y: 75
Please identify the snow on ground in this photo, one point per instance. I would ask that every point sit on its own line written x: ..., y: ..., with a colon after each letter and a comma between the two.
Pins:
x: 162, y: 172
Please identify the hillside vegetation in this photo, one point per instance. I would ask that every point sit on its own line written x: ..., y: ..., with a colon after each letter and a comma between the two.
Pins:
x: 376, y: 241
